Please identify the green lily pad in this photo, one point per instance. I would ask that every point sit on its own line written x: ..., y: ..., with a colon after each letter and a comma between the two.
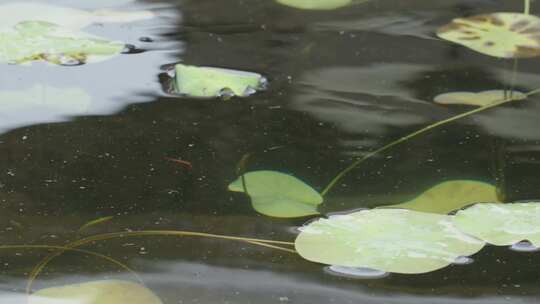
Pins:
x: 36, y: 40
x: 390, y: 240
x: 316, y: 4
x: 451, y: 195
x: 278, y: 195
x: 214, y: 82
x: 503, y: 35
x: 98, y: 292
x: 479, y: 99
x: 501, y: 224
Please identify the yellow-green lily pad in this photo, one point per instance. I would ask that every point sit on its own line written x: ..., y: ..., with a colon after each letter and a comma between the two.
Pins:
x: 503, y: 35
x: 479, y: 99
x: 390, y: 240
x: 215, y: 82
x: 501, y: 224
x: 277, y: 194
x: 98, y: 292
x: 38, y: 40
x: 316, y: 4
x: 451, y: 195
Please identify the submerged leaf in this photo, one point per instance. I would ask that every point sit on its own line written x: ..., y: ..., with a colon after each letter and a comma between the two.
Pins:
x: 503, y: 35
x: 451, y: 195
x: 316, y: 4
x: 478, y: 99
x: 277, y: 194
x: 37, y: 40
x: 391, y: 240
x: 501, y: 224
x: 213, y: 82
x: 98, y: 292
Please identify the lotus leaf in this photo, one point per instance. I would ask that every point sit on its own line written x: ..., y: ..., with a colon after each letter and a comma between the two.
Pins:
x: 501, y: 224
x: 503, y: 35
x: 390, y: 240
x: 278, y: 195
x: 98, y: 292
x: 212, y: 82
x: 451, y: 195
x: 477, y: 99
x: 316, y: 4
x: 37, y: 40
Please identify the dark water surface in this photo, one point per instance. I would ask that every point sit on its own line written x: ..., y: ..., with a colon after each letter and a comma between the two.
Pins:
x: 342, y: 82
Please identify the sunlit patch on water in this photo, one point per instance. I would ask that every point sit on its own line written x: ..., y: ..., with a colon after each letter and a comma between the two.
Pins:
x: 140, y: 61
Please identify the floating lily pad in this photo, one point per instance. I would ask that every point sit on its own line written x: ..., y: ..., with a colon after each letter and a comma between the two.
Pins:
x: 98, y: 292
x: 503, y: 35
x: 477, y: 99
x: 75, y: 19
x: 213, y: 82
x: 279, y: 195
x: 451, y: 195
x: 390, y: 240
x: 501, y: 224
x: 316, y: 4
x: 37, y: 40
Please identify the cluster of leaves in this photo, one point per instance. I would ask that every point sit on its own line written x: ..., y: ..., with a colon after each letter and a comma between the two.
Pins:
x: 415, y: 236
x: 39, y: 32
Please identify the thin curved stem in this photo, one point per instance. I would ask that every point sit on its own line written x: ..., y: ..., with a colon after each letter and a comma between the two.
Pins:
x: 344, y: 172
x: 65, y: 248
x: 41, y: 265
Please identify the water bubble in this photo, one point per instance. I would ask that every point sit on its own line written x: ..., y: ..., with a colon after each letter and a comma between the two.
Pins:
x: 463, y: 260
x: 146, y: 39
x: 69, y: 61
x: 263, y: 83
x: 226, y: 94
x: 131, y: 49
x: 356, y: 272
x: 249, y: 91
x: 171, y: 72
x: 524, y: 246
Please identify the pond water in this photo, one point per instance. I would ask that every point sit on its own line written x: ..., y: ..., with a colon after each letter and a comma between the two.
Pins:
x: 341, y: 83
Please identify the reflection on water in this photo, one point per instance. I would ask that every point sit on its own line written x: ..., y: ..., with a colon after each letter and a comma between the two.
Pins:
x: 340, y: 83
x: 99, y: 97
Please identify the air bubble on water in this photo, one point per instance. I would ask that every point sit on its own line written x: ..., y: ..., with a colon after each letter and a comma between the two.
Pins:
x: 524, y: 246
x: 146, y: 39
x: 463, y: 260
x: 131, y: 49
x: 226, y: 94
x: 69, y: 61
x: 171, y: 72
x: 249, y: 91
x: 263, y: 83
x: 356, y: 272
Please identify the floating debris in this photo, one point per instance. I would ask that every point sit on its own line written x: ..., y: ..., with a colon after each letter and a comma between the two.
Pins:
x: 216, y: 82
